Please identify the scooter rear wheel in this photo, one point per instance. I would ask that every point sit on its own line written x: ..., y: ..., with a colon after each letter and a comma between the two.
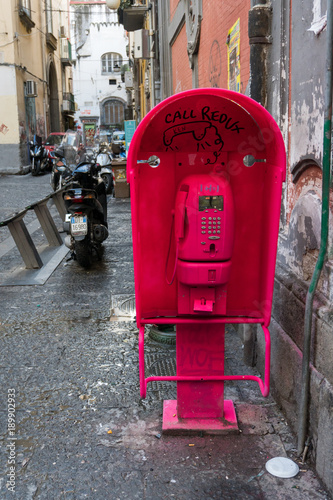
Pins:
x: 83, y: 252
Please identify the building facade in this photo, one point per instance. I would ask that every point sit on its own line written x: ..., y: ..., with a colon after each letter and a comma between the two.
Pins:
x: 35, y: 76
x: 275, y: 53
x: 140, y: 20
x: 99, y: 60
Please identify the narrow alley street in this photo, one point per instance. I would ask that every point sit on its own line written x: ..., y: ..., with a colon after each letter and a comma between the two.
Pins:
x: 69, y: 357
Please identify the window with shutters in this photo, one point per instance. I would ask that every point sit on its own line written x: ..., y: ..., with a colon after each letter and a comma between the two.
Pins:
x: 111, y: 63
x: 113, y: 112
x: 26, y: 6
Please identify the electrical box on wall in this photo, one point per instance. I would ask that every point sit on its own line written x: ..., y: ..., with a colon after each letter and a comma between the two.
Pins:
x: 31, y: 88
x: 141, y: 44
x: 128, y: 79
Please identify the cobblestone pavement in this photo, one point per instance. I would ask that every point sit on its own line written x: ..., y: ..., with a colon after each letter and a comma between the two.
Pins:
x: 81, y: 430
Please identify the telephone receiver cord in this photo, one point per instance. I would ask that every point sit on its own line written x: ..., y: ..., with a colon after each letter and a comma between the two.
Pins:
x: 168, y: 256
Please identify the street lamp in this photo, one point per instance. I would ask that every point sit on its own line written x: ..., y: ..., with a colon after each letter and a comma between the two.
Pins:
x: 113, y: 4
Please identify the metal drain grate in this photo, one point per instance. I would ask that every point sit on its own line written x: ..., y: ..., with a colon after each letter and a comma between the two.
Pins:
x: 122, y: 307
x: 164, y: 365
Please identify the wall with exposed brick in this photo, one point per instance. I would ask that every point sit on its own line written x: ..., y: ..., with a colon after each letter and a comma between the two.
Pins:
x: 218, y: 19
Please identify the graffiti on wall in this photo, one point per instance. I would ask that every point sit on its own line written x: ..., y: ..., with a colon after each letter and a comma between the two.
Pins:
x: 22, y: 131
x: 40, y: 126
x: 233, y: 43
x: 4, y: 129
x: 214, y: 68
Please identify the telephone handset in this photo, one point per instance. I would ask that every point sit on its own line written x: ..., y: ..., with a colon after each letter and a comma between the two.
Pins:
x: 179, y: 221
x: 204, y: 219
x: 180, y: 211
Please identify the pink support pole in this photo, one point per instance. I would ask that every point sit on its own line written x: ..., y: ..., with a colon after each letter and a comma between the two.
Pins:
x: 143, y: 382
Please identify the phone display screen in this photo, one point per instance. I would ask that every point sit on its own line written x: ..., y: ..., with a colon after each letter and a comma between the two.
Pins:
x: 206, y: 202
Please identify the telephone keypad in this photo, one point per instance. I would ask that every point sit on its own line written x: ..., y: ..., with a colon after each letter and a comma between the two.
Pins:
x: 211, y: 225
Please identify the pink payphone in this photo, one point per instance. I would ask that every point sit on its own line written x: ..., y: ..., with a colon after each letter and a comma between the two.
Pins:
x: 206, y: 168
x: 204, y: 233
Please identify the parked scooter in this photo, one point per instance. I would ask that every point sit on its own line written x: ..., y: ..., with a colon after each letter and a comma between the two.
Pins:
x: 104, y: 159
x: 38, y: 156
x: 61, y: 173
x: 86, y: 219
x: 51, y: 159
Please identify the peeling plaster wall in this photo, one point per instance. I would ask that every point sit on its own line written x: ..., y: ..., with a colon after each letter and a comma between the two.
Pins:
x: 296, y: 71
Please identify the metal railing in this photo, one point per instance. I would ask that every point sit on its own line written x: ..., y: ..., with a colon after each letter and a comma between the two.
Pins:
x: 20, y: 233
x: 68, y: 102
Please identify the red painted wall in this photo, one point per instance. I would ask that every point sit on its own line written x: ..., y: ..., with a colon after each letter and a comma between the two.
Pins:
x: 218, y: 19
x: 173, y: 7
x: 181, y: 71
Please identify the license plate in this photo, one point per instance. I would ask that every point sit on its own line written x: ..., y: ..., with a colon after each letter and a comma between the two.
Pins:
x: 79, y: 226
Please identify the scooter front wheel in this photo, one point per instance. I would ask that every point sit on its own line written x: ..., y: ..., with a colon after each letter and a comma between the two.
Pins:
x: 83, y: 252
x: 35, y: 167
x: 44, y: 165
x: 34, y: 170
x: 107, y: 179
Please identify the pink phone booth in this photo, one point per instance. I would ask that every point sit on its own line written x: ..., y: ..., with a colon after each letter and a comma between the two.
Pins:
x: 206, y: 168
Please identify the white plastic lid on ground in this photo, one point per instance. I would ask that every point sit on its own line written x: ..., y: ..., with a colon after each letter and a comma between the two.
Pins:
x: 282, y: 467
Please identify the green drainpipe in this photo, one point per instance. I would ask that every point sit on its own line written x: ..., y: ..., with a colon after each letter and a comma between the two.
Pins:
x: 304, y: 410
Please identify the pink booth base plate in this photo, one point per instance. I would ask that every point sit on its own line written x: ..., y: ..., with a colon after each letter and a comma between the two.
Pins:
x: 172, y: 424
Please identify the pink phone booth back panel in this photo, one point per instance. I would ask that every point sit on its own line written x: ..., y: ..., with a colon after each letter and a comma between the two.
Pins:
x: 207, y: 132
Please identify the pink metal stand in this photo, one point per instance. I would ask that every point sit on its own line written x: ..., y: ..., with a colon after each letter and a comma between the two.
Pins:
x: 200, y: 405
x: 205, y: 222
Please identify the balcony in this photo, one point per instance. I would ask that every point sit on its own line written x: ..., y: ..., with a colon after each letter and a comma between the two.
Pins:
x: 65, y: 52
x: 25, y: 18
x: 51, y: 41
x: 68, y: 103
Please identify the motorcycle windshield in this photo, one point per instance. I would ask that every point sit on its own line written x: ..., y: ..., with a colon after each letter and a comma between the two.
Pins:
x: 83, y: 169
x: 103, y: 159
